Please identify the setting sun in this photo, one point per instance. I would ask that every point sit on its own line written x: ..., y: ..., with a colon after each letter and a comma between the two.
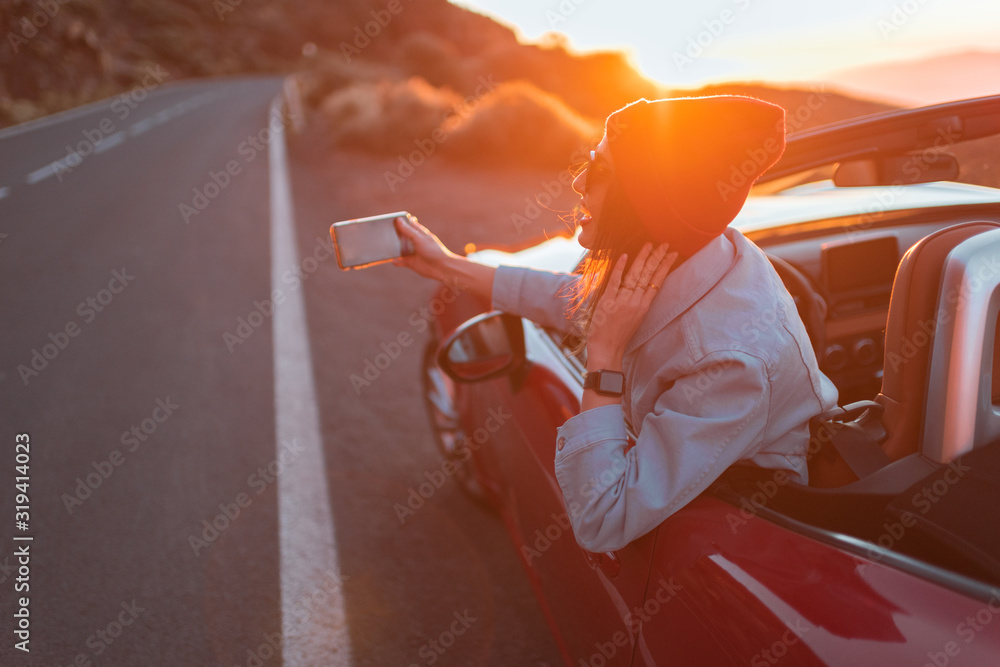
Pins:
x: 498, y: 333
x: 687, y: 45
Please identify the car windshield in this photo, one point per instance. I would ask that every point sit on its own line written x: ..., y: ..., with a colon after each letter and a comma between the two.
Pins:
x: 977, y: 161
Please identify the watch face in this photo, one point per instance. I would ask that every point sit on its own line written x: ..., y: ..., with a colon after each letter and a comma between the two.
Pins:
x: 611, y: 383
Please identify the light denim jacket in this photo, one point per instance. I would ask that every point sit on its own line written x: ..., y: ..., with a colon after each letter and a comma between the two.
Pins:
x: 720, y: 370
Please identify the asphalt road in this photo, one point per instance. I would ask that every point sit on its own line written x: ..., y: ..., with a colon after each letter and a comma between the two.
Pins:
x: 206, y: 485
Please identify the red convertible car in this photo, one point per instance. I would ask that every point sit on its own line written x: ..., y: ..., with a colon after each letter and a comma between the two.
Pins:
x: 891, y: 555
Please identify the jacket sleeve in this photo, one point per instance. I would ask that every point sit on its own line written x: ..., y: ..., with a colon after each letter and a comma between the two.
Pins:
x: 702, y: 424
x: 540, y: 296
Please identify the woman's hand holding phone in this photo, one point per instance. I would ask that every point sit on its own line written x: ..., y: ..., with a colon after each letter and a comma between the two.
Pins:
x: 432, y: 259
x: 430, y: 256
x: 363, y: 242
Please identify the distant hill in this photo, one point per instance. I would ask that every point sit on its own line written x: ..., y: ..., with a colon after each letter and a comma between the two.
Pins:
x: 388, y: 78
x: 943, y: 78
x: 84, y: 50
x: 806, y: 107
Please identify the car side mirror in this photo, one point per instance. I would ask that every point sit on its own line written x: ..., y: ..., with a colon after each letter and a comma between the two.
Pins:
x: 486, y: 347
x: 897, y: 170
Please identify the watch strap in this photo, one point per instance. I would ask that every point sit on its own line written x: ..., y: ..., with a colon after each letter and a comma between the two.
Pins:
x: 602, y: 382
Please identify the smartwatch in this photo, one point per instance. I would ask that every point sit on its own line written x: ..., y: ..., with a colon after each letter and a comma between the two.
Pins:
x: 605, y: 383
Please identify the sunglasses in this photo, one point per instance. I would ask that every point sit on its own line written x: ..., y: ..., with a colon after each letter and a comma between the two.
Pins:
x: 597, y: 171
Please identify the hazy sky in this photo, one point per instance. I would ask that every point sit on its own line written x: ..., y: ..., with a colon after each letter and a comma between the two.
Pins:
x: 691, y: 42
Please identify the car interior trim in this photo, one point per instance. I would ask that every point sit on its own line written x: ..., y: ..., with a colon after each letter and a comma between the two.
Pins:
x: 961, y: 414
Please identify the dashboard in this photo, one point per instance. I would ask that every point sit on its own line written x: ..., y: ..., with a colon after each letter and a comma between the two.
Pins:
x: 851, y: 265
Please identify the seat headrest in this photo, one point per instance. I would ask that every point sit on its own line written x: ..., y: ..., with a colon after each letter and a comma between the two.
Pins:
x: 909, y: 332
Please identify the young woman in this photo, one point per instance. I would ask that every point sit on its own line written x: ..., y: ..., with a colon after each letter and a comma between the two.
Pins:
x: 691, y: 338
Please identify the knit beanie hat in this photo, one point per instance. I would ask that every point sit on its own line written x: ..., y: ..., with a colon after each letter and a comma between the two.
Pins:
x: 687, y: 164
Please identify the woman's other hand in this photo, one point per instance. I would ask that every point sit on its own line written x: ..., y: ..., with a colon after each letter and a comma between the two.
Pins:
x: 624, y: 304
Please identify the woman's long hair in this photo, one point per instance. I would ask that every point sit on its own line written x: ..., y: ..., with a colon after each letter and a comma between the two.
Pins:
x: 619, y: 230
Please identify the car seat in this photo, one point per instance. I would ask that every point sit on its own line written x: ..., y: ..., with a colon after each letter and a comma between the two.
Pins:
x: 939, y: 332
x: 928, y: 329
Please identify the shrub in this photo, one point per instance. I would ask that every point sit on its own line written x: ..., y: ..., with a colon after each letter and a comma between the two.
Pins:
x: 385, y: 116
x: 518, y: 124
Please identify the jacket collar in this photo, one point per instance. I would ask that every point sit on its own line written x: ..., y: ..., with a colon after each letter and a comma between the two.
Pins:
x: 686, y: 285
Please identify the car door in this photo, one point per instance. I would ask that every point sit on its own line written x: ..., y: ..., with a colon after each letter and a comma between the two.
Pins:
x: 755, y: 589
x: 594, y: 599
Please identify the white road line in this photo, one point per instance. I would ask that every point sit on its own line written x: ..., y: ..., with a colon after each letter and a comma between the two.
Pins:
x: 47, y: 171
x: 309, y: 567
x: 109, y: 142
x: 112, y: 140
x: 141, y: 126
x: 163, y: 115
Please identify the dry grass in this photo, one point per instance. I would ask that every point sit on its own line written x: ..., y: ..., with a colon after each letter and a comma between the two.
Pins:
x: 385, y: 117
x: 518, y: 124
x: 513, y: 124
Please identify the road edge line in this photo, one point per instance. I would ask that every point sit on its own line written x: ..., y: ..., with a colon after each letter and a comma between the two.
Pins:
x: 314, y: 621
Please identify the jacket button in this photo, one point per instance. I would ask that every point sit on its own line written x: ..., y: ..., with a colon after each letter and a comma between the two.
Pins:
x: 560, y: 443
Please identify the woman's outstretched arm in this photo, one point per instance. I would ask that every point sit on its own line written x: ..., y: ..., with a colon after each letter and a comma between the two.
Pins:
x: 432, y: 259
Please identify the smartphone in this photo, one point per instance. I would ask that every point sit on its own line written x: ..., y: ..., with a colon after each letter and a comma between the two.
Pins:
x: 369, y: 241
